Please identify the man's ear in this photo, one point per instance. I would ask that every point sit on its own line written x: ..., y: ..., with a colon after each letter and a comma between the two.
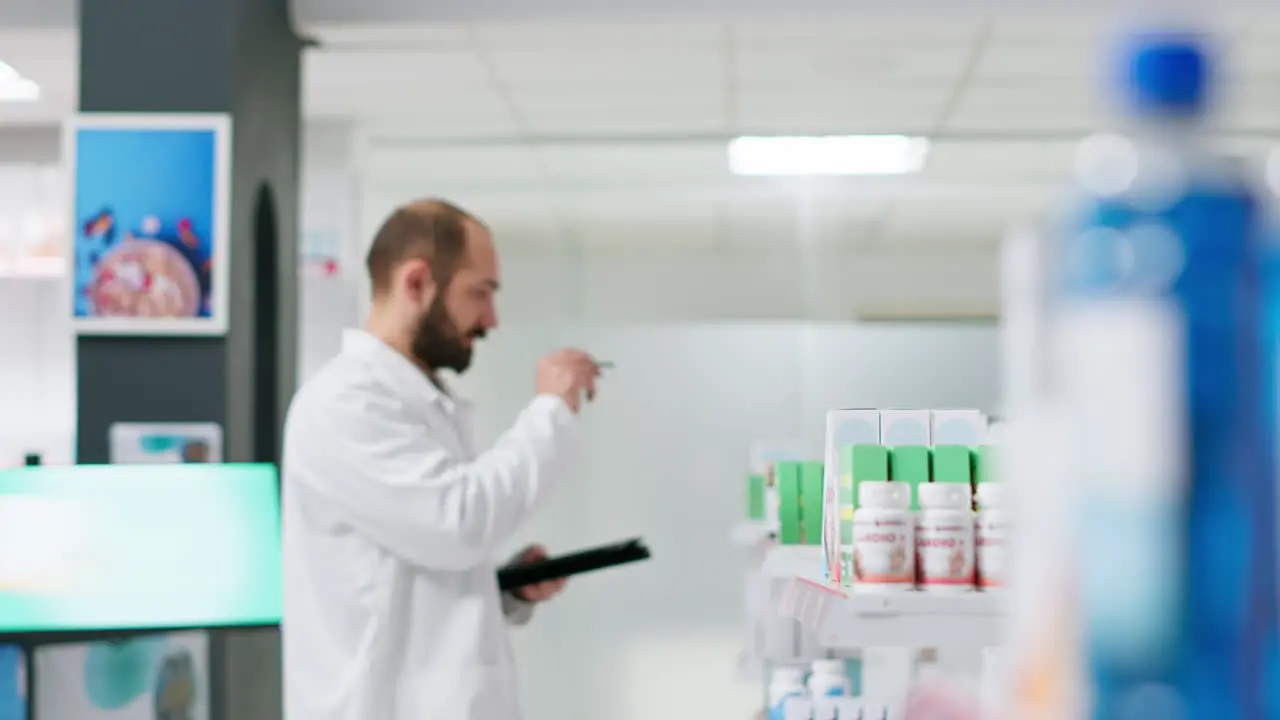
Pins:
x: 416, y: 278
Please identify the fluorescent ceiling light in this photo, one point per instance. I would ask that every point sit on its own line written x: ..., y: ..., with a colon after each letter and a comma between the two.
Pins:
x: 14, y: 87
x: 828, y: 155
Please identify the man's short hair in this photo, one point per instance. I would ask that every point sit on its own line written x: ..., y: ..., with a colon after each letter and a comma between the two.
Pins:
x: 431, y: 229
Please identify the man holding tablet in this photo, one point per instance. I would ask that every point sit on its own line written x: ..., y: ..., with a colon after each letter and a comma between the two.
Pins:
x: 392, y: 516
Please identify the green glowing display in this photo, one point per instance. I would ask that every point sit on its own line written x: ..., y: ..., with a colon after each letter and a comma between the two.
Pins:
x: 105, y: 547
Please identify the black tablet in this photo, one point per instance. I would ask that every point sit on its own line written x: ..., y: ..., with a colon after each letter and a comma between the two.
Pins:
x: 597, y: 558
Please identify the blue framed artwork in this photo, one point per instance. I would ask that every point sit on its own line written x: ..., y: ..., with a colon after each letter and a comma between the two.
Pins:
x: 151, y: 196
x: 13, y: 683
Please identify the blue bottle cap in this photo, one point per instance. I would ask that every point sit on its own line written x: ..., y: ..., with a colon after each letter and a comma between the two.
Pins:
x: 1167, y: 75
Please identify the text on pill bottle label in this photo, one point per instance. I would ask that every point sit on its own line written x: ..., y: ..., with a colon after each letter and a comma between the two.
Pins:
x: 882, y: 551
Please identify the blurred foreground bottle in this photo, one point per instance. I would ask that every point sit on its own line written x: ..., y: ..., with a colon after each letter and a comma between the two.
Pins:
x: 1162, y: 360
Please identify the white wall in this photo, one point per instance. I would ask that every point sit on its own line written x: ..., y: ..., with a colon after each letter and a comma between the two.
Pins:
x: 37, y: 371
x: 37, y: 364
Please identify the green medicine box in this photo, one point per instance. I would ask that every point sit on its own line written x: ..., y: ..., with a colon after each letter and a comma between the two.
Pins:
x: 861, y: 462
x: 787, y: 477
x: 953, y: 463
x: 811, y: 503
x: 910, y: 464
x: 984, y: 464
x: 755, y: 497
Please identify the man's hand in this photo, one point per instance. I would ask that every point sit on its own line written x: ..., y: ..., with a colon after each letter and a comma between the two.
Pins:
x: 542, y: 591
x: 568, y: 374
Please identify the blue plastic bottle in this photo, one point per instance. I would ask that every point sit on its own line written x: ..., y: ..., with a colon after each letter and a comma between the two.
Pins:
x: 1168, y: 379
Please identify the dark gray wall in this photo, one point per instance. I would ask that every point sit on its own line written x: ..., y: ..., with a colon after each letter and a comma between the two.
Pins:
x: 224, y: 56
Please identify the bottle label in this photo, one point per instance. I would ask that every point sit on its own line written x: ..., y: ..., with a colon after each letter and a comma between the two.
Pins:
x: 991, y: 541
x: 788, y: 702
x: 882, y: 551
x: 831, y: 533
x: 945, y: 550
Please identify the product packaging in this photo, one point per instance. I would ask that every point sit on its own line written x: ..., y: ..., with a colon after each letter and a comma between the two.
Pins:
x: 755, y: 496
x: 991, y: 535
x: 905, y: 427
x: 763, y: 457
x: 787, y: 477
x: 1168, y: 386
x: 883, y: 538
x: 845, y: 428
x: 811, y: 505
x: 944, y: 543
x: 865, y: 463
x: 910, y: 464
x: 953, y: 464
x: 958, y: 427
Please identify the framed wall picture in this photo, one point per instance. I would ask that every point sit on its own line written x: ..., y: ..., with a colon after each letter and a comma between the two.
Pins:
x: 149, y: 677
x: 151, y: 198
x: 165, y: 443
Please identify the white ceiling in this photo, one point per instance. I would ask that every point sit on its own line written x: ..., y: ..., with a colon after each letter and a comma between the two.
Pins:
x: 613, y: 135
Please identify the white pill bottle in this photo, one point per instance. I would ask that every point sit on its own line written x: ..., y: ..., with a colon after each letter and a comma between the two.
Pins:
x: 785, y: 686
x: 883, y: 538
x: 992, y: 535
x: 945, y: 541
x: 829, y: 678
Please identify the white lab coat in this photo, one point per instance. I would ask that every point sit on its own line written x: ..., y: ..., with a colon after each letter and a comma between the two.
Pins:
x: 391, y: 609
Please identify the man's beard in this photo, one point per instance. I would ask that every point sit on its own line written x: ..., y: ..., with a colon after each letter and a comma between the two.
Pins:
x: 439, y: 344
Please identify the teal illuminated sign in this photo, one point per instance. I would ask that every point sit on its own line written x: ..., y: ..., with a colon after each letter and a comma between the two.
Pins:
x: 107, y: 547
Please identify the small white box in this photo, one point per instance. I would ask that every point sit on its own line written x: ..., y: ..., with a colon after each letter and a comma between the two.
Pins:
x: 959, y: 427
x: 905, y: 427
x: 851, y: 426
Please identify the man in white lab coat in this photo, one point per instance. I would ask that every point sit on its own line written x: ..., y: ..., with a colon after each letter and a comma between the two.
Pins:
x: 391, y: 515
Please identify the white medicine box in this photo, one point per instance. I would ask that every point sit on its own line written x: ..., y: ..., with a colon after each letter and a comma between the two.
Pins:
x: 764, y: 455
x: 959, y: 427
x: 905, y: 427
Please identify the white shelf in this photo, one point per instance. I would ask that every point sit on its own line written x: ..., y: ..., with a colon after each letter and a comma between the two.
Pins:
x: 788, y: 561
x: 749, y: 533
x: 844, y: 619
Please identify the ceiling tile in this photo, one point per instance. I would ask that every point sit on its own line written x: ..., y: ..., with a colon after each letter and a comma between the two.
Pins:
x: 430, y: 76
x: 1047, y: 60
x: 422, y: 37
x: 557, y: 37
x: 443, y: 167
x: 617, y: 100
x: 1027, y: 106
x: 797, y: 112
x: 600, y: 70
x: 625, y: 162
x: 464, y: 116
x: 997, y: 161
x: 835, y: 67
x: 884, y: 29
x: 618, y: 119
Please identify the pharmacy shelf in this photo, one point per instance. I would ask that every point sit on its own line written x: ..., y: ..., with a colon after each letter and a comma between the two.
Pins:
x: 789, y: 561
x: 749, y: 533
x: 845, y: 619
